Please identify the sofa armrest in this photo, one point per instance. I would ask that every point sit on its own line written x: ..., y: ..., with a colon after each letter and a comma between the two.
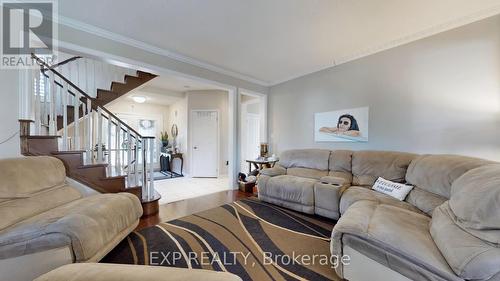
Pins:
x: 336, y: 181
x: 272, y: 172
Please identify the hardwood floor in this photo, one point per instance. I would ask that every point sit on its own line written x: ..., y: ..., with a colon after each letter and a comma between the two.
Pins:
x: 186, y: 207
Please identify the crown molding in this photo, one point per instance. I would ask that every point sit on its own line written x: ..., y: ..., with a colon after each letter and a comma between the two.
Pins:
x: 404, y: 39
x: 78, y: 25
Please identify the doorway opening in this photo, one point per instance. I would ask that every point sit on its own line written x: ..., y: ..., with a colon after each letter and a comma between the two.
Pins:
x: 253, y: 130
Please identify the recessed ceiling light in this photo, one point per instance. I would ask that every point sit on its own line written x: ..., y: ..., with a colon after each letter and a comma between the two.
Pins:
x: 139, y: 99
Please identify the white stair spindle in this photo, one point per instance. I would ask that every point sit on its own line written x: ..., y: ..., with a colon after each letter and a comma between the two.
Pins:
x: 99, y: 135
x: 108, y: 138
x: 65, y: 115
x: 84, y: 135
x: 145, y: 186
x: 151, y: 169
x: 76, y: 122
x: 118, y: 146
x: 129, y: 153
x: 136, y: 160
x: 38, y: 116
x: 45, y: 114
x: 52, y: 108
x: 88, y: 137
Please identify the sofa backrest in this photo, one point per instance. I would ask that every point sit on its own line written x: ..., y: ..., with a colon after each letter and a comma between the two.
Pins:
x: 367, y: 166
x: 466, y: 229
x: 340, y: 164
x: 310, y: 163
x: 432, y: 177
x: 475, y: 201
x: 22, y: 177
x: 436, y: 173
x: 30, y: 186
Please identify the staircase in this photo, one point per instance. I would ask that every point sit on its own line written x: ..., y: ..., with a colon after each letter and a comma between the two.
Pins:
x: 97, y: 148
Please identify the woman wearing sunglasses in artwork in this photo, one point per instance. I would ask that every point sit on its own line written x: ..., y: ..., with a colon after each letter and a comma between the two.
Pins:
x: 346, y: 125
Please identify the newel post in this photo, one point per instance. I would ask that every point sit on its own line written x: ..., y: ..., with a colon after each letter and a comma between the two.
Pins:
x: 24, y: 133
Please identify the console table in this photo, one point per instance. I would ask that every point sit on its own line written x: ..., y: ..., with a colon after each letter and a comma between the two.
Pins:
x: 260, y: 164
x: 179, y: 156
x: 166, y: 160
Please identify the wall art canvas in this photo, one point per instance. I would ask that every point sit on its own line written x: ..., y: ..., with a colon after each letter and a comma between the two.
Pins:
x: 347, y: 125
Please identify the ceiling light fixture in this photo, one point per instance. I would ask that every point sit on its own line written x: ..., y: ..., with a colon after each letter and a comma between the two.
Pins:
x: 139, y: 99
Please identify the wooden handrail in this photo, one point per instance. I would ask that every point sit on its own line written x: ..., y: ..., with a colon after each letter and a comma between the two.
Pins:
x: 45, y: 65
x: 65, y: 62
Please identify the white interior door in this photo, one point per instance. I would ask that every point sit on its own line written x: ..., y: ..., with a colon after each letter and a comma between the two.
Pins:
x: 253, y: 136
x: 204, y: 143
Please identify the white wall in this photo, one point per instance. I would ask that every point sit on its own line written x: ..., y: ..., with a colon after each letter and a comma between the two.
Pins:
x: 178, y: 115
x: 218, y: 100
x: 123, y: 107
x: 437, y: 95
x: 9, y: 112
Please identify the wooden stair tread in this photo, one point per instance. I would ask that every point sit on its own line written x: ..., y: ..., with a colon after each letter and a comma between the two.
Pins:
x: 88, y: 166
x: 43, y: 137
x: 68, y: 152
x: 114, y: 177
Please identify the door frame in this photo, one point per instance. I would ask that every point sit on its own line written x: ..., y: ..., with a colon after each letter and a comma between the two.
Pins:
x: 264, y: 99
x: 190, y: 125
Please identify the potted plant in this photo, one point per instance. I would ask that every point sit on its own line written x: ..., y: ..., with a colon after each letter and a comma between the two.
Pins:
x: 164, y: 139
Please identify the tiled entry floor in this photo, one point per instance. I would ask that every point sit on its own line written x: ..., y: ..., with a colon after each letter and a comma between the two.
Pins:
x: 177, y: 189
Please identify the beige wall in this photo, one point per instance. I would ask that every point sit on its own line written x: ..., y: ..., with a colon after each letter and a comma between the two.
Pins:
x: 153, y: 111
x: 437, y: 95
x: 9, y: 108
x: 218, y: 100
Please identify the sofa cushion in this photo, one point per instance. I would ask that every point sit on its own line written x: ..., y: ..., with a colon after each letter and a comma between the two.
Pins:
x: 272, y: 172
x: 475, y: 201
x: 470, y: 257
x: 89, y: 224
x: 306, y: 173
x: 395, y: 232
x: 340, y: 164
x: 22, y: 177
x: 288, y: 188
x: 436, y: 173
x: 368, y: 166
x: 124, y: 272
x: 17, y: 210
x: 354, y: 194
x: 424, y: 200
x: 305, y: 158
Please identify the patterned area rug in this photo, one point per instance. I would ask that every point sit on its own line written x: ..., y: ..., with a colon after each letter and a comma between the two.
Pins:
x: 250, y: 238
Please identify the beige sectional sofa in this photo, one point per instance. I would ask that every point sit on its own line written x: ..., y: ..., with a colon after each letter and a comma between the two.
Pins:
x: 46, y: 222
x: 447, y: 228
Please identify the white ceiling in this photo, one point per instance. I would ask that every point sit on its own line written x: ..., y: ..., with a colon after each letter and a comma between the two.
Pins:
x: 178, y: 84
x: 274, y: 40
x: 153, y: 97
